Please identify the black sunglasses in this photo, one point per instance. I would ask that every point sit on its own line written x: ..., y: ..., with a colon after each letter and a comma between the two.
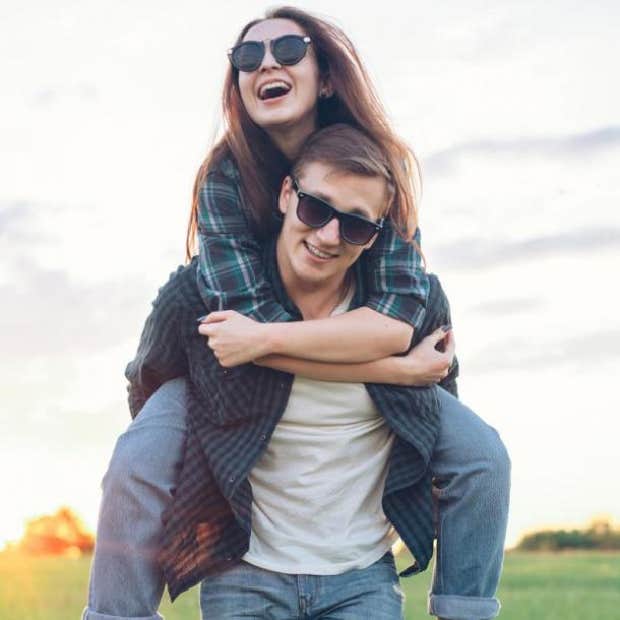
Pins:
x: 287, y: 50
x: 316, y: 213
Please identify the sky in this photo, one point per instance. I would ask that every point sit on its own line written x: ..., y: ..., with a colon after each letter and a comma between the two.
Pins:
x: 512, y: 109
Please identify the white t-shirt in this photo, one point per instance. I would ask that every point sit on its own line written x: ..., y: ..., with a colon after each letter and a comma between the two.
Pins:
x: 317, y: 488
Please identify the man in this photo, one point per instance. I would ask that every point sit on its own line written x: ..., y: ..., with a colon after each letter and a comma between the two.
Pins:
x: 291, y: 491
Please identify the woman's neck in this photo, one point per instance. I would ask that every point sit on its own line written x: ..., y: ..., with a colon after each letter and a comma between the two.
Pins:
x: 290, y: 141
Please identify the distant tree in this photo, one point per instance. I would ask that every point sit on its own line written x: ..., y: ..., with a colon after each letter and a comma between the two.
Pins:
x: 59, y: 534
x: 600, y: 535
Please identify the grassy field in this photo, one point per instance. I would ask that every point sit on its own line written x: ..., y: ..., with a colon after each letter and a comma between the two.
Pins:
x: 569, y: 586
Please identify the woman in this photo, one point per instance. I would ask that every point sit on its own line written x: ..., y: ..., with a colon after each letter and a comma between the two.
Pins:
x: 278, y: 91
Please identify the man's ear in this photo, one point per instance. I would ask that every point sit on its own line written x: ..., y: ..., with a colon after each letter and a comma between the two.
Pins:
x: 285, y: 194
x: 371, y: 242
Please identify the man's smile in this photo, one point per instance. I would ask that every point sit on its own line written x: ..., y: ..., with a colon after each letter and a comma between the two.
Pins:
x: 316, y: 252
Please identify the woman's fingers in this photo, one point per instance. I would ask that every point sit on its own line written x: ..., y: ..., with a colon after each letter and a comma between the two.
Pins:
x: 207, y: 329
x: 450, y: 345
x: 216, y: 317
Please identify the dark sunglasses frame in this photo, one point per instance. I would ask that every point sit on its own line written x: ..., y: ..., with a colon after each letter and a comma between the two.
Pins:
x: 373, y: 227
x: 273, y: 46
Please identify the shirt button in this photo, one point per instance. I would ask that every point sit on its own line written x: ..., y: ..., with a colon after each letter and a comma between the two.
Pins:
x: 225, y: 371
x: 228, y: 558
x: 232, y: 479
x: 263, y: 437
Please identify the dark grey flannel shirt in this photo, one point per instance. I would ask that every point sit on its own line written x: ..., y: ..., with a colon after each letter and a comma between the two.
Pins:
x: 232, y: 414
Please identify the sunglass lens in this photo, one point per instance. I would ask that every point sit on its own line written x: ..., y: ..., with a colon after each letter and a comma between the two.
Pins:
x: 289, y: 49
x: 312, y: 212
x: 356, y: 231
x: 248, y: 55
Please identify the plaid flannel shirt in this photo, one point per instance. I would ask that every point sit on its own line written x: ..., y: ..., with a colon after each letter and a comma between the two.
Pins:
x: 232, y: 414
x: 232, y: 276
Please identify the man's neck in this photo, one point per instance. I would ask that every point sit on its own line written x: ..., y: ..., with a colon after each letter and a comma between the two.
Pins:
x: 313, y: 300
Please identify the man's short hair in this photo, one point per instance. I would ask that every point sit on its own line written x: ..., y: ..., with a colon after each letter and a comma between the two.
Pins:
x: 346, y: 149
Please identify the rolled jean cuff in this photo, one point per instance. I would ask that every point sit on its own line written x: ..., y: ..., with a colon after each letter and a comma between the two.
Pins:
x: 452, y: 607
x: 88, y: 614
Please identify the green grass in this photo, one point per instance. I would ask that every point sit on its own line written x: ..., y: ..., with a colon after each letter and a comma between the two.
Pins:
x: 535, y: 586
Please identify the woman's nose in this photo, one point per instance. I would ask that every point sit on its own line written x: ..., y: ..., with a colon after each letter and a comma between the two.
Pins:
x: 269, y: 62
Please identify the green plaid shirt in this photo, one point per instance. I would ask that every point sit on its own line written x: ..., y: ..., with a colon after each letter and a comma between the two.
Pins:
x: 231, y: 273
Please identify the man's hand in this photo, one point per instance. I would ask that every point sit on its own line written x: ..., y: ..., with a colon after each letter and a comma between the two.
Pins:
x: 234, y: 338
x: 424, y: 364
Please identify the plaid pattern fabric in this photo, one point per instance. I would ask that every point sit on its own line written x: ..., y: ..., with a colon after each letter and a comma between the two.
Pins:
x: 232, y: 276
x: 232, y: 414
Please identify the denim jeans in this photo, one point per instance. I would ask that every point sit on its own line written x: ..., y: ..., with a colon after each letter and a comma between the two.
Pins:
x: 472, y: 477
x: 250, y: 592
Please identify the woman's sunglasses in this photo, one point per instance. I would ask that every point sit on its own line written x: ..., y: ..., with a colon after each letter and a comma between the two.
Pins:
x: 287, y: 50
x: 316, y: 213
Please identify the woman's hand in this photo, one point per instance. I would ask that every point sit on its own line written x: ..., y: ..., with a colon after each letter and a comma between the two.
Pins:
x: 424, y: 364
x: 234, y: 338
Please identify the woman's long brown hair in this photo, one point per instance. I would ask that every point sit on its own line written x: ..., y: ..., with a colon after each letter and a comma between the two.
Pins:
x: 262, y: 166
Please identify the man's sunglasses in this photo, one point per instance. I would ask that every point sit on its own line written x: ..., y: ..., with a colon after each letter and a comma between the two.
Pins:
x: 316, y: 213
x: 287, y: 50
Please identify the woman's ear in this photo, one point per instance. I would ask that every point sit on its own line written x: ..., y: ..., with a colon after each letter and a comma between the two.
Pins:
x: 326, y: 90
x: 285, y: 194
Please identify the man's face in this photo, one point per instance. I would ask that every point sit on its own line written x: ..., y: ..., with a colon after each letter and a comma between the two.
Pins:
x: 312, y: 257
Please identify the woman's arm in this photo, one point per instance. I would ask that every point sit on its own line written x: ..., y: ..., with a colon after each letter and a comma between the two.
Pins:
x: 398, y: 285
x: 232, y: 277
x: 423, y: 365
x: 361, y: 335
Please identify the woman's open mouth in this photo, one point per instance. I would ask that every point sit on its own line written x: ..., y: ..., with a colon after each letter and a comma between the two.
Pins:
x: 276, y: 89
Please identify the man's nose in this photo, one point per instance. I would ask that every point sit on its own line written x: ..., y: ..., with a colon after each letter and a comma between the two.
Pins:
x: 330, y: 233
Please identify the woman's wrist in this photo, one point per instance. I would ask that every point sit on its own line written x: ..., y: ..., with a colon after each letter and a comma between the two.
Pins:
x: 406, y: 371
x: 271, y: 336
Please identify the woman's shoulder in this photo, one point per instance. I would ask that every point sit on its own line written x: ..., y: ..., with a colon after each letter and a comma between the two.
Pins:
x: 226, y: 167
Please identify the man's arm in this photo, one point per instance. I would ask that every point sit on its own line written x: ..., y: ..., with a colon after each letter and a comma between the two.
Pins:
x: 160, y: 355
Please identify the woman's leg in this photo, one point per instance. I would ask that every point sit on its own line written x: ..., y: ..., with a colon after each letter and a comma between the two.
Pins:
x: 126, y: 581
x: 471, y: 471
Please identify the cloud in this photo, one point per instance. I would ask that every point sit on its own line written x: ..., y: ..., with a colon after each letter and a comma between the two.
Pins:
x: 503, y: 307
x: 45, y: 312
x: 576, y: 145
x: 19, y: 224
x: 49, y: 95
x: 478, y: 253
x: 583, y: 349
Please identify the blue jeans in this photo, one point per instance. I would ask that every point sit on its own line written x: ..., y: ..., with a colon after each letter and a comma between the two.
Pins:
x: 471, y: 470
x: 249, y: 592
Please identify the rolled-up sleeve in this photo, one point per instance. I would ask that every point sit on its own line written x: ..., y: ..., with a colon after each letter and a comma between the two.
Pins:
x: 231, y: 275
x: 398, y: 286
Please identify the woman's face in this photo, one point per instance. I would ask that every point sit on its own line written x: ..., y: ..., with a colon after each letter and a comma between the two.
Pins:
x: 291, y: 114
